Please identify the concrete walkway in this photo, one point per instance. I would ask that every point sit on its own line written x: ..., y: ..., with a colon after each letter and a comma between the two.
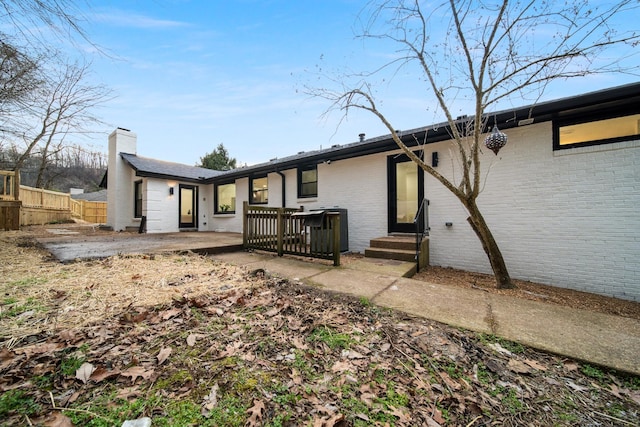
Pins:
x: 597, y: 338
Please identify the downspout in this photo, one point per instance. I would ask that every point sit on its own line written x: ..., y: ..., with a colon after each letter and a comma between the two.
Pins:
x: 284, y: 203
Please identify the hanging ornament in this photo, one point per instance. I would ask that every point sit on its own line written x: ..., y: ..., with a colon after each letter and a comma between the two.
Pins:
x: 495, y: 140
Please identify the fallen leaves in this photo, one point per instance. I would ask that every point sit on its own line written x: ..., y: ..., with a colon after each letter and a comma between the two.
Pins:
x: 256, y: 344
x: 164, y: 355
x: 193, y: 338
x: 39, y: 349
x: 136, y: 372
x: 58, y: 419
x: 210, y: 401
x: 255, y: 414
x: 83, y: 373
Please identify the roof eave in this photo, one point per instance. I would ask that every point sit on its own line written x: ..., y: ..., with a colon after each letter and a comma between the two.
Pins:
x: 535, y: 113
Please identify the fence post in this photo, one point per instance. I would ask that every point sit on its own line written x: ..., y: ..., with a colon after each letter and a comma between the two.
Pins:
x: 335, y: 223
x: 280, y: 231
x: 16, y: 184
x: 245, y: 224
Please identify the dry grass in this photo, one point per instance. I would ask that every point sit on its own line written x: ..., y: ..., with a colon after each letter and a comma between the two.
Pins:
x: 69, y: 295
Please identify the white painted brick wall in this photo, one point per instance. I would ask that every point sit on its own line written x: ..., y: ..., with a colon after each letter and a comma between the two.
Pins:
x: 205, y: 207
x: 119, y: 180
x: 161, y: 208
x: 360, y: 186
x: 568, y: 218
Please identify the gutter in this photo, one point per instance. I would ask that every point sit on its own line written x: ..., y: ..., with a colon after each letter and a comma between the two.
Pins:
x: 284, y: 202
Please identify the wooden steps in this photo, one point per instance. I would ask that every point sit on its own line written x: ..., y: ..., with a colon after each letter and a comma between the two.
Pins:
x: 400, y: 248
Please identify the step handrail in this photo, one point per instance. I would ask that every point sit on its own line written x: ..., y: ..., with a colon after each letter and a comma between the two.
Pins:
x: 421, y: 223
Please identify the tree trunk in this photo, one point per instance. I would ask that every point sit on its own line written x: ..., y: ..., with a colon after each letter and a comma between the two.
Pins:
x: 480, y: 227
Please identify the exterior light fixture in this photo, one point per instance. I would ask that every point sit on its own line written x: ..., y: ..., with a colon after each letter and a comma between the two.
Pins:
x: 495, y: 140
x: 171, y: 191
x: 434, y: 159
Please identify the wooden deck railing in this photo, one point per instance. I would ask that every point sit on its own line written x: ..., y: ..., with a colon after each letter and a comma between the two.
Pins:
x: 291, y: 231
x: 8, y: 185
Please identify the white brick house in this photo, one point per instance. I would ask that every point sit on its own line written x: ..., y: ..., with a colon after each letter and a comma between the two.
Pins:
x: 562, y: 197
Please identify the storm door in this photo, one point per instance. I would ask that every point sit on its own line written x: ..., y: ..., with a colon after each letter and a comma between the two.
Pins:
x: 188, y: 206
x: 406, y: 191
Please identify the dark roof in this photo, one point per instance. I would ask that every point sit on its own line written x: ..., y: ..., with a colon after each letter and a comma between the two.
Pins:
x: 95, y: 196
x: 627, y: 96
x: 152, y: 168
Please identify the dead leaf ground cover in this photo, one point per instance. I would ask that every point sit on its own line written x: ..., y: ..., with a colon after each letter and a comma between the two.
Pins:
x: 186, y: 340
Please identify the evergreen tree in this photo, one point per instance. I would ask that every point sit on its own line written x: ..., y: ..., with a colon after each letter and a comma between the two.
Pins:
x: 218, y: 160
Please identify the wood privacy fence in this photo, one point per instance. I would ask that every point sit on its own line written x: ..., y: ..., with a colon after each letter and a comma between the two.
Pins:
x: 292, y: 231
x: 46, y: 199
x: 22, y: 205
x: 95, y: 212
x: 43, y: 206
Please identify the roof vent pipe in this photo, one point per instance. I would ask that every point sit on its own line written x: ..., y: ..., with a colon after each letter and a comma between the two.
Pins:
x: 361, y: 137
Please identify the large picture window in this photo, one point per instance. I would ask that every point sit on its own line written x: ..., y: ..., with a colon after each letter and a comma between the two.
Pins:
x: 137, y: 199
x: 601, y: 130
x: 225, y: 198
x: 259, y: 190
x: 308, y: 181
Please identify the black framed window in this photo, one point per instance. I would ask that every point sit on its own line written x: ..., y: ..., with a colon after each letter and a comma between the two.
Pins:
x: 259, y: 190
x: 595, y: 130
x: 137, y: 199
x: 225, y: 198
x: 308, y: 181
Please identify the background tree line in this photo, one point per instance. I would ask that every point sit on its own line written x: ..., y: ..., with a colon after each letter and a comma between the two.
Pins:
x: 71, y: 166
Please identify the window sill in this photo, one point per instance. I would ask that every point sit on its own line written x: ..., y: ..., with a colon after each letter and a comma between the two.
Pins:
x: 307, y: 199
x: 635, y: 143
x: 224, y: 215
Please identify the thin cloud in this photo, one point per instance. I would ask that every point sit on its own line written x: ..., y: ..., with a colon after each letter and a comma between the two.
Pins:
x: 123, y: 18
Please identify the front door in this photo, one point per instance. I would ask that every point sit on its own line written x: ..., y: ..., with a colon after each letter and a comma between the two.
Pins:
x: 188, y: 206
x: 406, y: 191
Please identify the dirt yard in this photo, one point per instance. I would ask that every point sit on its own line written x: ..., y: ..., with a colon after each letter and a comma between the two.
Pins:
x: 186, y: 340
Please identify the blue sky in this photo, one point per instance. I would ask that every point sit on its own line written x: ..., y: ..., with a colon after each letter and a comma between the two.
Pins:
x: 188, y: 75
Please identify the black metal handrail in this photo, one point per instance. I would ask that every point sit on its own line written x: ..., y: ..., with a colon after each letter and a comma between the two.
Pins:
x: 421, y: 222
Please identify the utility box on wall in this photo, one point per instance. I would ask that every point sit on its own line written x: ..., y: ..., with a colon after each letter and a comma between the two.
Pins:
x: 326, y: 238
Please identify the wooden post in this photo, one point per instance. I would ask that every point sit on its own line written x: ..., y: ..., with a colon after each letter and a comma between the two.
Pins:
x: 245, y: 224
x: 280, y: 231
x: 335, y: 223
x: 16, y: 184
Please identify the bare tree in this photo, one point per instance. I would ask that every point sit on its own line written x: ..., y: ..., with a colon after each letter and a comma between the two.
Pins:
x: 479, y: 54
x: 62, y: 107
x: 33, y: 21
x: 18, y: 75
